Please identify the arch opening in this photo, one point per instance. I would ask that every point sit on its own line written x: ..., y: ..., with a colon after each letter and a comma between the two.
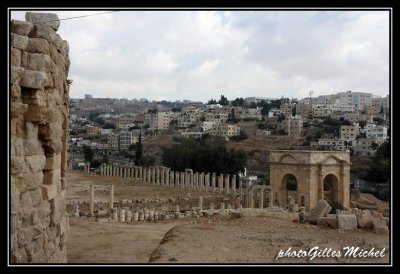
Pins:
x: 331, y: 189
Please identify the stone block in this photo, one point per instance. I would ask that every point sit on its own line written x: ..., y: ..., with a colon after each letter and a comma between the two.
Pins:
x: 52, y: 176
x: 15, y: 198
x: 51, y: 131
x: 38, y: 45
x: 321, y: 210
x: 17, y: 165
x: 44, y: 32
x: 36, y: 61
x: 378, y: 222
x: 46, y: 19
x: 19, y: 41
x: 26, y: 200
x: 381, y: 229
x: 36, y: 114
x: 49, y: 192
x: 27, y: 181
x: 53, y: 162
x: 31, y: 130
x: 15, y: 92
x: 364, y: 220
x: 347, y: 222
x: 17, y: 110
x: 33, y: 79
x: 21, y: 27
x: 36, y: 162
x: 54, y: 116
x: 15, y: 57
x: 33, y: 247
x: 16, y: 75
x: 32, y: 147
x: 36, y: 197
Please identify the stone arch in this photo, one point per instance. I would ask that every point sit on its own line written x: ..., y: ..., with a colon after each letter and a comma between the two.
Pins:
x: 288, y: 158
x: 289, y: 187
x: 331, y: 188
x: 310, y: 169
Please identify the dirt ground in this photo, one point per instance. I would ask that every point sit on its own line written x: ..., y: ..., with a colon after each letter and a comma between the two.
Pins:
x: 259, y: 240
x: 200, y: 240
x: 91, y: 242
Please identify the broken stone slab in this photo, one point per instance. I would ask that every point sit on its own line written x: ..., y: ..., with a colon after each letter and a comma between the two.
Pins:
x: 321, y: 210
x: 381, y: 229
x: 347, y: 222
x: 47, y: 19
x: 364, y: 220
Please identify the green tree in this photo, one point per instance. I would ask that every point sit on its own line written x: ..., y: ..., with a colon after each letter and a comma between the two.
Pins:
x: 223, y: 101
x: 88, y: 153
x: 238, y: 102
x: 139, y: 150
x: 207, y: 154
x: 108, y: 125
x: 212, y: 102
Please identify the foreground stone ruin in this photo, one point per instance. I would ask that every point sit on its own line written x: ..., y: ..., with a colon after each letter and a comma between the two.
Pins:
x: 39, y: 93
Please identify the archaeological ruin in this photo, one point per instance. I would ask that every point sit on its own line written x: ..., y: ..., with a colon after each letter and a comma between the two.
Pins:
x: 39, y: 95
x: 315, y: 175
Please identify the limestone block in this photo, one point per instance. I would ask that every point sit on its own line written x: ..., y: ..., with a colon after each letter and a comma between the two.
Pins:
x: 15, y: 92
x: 15, y: 57
x: 51, y: 131
x: 54, y: 116
x: 65, y: 47
x: 24, y: 182
x: 17, y: 110
x: 52, y: 176
x: 33, y: 247
x: 19, y: 41
x: 39, y: 257
x: 21, y: 27
x: 381, y: 229
x: 364, y: 220
x: 321, y: 210
x: 32, y: 147
x: 15, y: 198
x: 36, y: 197
x: 47, y: 19
x: 16, y: 74
x: 347, y: 222
x: 36, y: 61
x: 36, y: 162
x: 38, y: 45
x: 378, y: 222
x: 49, y: 192
x: 17, y: 165
x: 33, y: 79
x: 25, y: 235
x: 36, y: 114
x: 31, y: 130
x: 57, y: 58
x: 53, y: 162
x: 17, y: 147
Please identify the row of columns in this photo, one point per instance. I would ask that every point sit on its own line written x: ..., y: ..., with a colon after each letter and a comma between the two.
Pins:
x: 165, y: 177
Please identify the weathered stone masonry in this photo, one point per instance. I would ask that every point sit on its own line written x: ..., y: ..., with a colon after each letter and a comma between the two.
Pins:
x: 39, y: 95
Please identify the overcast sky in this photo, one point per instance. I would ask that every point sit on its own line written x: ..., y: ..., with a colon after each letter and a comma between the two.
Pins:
x: 198, y: 55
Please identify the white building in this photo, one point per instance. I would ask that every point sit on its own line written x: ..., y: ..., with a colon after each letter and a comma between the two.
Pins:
x: 359, y: 99
x: 105, y: 131
x: 374, y: 131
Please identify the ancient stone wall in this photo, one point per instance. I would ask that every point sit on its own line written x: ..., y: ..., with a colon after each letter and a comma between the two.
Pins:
x: 39, y: 101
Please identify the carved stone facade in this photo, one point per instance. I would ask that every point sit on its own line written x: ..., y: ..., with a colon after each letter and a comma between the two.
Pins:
x: 39, y: 95
x: 310, y: 169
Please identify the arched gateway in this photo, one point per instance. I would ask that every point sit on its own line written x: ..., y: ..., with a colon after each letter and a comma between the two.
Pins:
x: 309, y: 176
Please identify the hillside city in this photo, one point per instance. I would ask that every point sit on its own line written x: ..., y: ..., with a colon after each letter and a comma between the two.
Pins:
x: 346, y: 121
